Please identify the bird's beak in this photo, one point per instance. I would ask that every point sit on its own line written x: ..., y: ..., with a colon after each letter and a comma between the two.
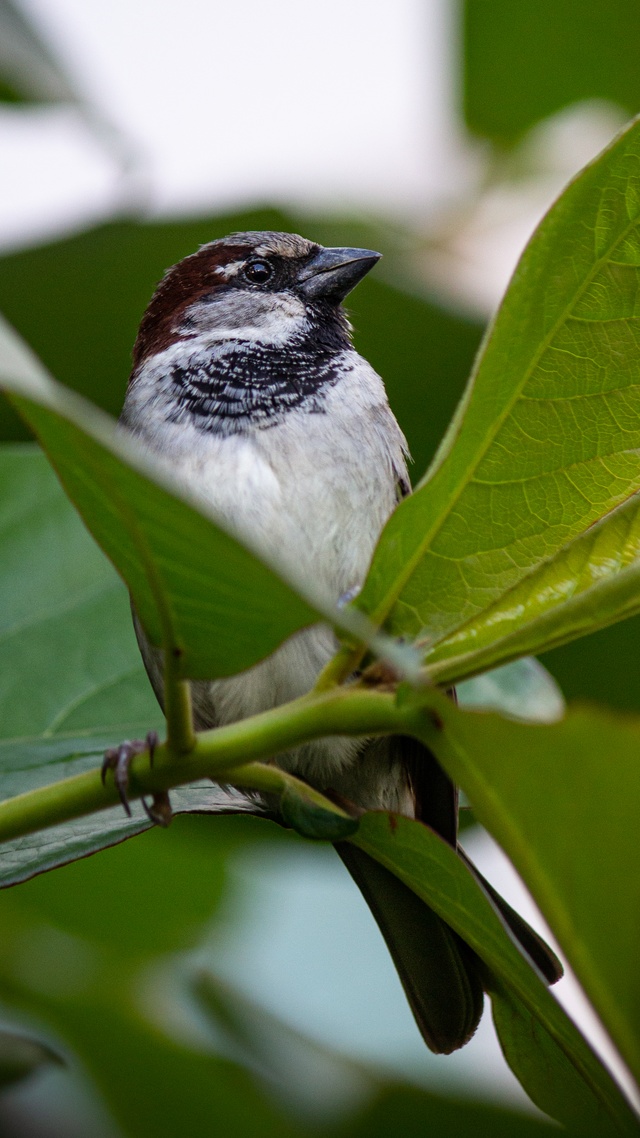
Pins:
x: 334, y: 272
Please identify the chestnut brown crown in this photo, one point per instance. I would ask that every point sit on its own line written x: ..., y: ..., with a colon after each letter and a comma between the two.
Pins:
x: 254, y: 262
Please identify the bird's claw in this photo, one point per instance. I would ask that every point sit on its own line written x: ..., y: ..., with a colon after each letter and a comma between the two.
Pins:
x: 118, y: 760
x: 160, y: 812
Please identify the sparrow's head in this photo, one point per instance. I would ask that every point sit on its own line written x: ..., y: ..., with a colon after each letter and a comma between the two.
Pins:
x: 261, y: 288
x: 243, y: 332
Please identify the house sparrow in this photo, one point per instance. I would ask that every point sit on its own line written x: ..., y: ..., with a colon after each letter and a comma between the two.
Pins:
x: 245, y: 379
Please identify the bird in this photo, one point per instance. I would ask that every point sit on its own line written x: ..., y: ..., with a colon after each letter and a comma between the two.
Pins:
x: 246, y: 382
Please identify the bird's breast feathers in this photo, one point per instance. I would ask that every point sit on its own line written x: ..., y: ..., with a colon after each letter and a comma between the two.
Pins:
x: 310, y: 492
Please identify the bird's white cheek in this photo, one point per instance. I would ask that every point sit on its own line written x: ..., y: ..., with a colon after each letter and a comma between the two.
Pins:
x: 274, y: 318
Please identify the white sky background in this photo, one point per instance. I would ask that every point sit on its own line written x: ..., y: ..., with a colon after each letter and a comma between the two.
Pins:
x: 343, y: 103
x: 339, y: 104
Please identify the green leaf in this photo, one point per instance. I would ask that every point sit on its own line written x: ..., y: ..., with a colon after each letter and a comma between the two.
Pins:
x: 525, y: 61
x: 563, y: 800
x: 548, y: 1077
x: 155, y: 1080
x: 197, y: 590
x: 523, y: 689
x: 432, y: 869
x: 546, y: 441
x: 28, y: 71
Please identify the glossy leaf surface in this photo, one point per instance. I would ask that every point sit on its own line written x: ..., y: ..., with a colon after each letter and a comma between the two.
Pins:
x: 546, y: 440
x: 590, y: 584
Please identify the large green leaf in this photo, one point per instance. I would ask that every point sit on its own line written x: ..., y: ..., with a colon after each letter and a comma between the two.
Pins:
x: 564, y: 801
x: 433, y: 870
x: 546, y: 440
x: 525, y: 61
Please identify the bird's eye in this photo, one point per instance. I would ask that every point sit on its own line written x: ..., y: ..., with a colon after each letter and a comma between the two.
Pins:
x: 258, y: 272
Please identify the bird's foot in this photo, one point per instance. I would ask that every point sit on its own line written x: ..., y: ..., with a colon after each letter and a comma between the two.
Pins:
x: 160, y: 812
x: 118, y: 760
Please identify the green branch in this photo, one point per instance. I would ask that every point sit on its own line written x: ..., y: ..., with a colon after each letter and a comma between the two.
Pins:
x: 178, y: 712
x: 229, y: 754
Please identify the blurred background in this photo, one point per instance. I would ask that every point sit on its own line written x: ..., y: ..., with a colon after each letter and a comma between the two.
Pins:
x: 438, y: 131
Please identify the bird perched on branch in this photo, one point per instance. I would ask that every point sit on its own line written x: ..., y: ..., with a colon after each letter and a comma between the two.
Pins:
x: 246, y: 380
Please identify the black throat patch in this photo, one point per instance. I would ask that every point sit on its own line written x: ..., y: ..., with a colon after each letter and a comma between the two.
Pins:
x: 245, y: 386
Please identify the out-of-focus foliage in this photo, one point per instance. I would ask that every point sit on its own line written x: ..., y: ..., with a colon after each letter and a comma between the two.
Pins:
x: 99, y: 952
x: 78, y: 951
x: 405, y: 1110
x: 526, y: 60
